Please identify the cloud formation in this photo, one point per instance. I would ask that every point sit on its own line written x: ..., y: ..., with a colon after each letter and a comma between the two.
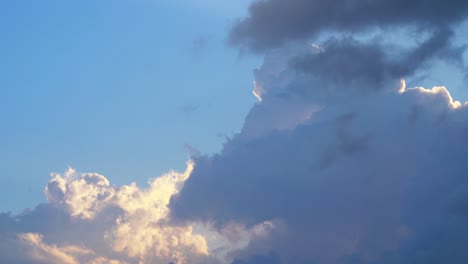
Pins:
x: 369, y: 42
x: 339, y: 162
x: 339, y: 151
x: 358, y: 181
x: 86, y: 220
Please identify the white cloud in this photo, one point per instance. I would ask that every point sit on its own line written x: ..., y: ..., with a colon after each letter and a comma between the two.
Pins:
x: 89, y: 221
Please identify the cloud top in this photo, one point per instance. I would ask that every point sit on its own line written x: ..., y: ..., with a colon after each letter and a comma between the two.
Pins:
x: 272, y: 23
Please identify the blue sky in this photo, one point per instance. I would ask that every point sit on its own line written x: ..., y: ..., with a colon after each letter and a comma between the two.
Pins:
x: 117, y: 87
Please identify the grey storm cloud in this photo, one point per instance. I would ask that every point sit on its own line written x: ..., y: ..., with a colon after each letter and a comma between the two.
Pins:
x: 272, y: 23
x: 342, y: 26
x: 349, y: 164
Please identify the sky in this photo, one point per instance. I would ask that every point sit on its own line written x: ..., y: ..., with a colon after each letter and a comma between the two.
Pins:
x: 216, y: 132
x: 111, y: 86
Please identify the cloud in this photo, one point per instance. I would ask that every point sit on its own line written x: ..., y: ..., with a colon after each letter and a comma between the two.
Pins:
x: 361, y: 44
x: 341, y: 161
x: 86, y: 220
x: 354, y: 173
x: 40, y: 252
x: 30, y: 248
x: 272, y: 23
x: 348, y: 61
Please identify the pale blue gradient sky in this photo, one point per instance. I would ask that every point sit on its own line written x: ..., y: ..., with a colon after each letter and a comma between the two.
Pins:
x: 116, y: 87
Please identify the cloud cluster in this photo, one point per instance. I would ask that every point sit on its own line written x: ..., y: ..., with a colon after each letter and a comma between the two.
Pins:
x: 140, y: 229
x: 355, y: 166
x: 86, y: 220
x: 358, y: 181
x: 340, y: 162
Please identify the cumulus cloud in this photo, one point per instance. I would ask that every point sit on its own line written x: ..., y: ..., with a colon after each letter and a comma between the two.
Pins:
x: 339, y: 162
x: 368, y: 175
x: 86, y: 220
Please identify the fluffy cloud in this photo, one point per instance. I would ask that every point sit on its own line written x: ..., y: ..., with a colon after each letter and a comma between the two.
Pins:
x: 140, y: 215
x: 86, y: 220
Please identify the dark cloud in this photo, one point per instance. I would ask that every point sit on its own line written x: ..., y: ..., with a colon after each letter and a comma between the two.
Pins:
x: 349, y: 60
x: 362, y: 190
x: 272, y: 23
x: 354, y: 176
x: 409, y: 38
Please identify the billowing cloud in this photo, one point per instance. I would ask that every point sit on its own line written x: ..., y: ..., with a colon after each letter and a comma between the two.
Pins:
x: 356, y: 170
x: 341, y: 161
x: 86, y: 220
